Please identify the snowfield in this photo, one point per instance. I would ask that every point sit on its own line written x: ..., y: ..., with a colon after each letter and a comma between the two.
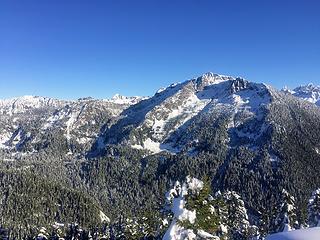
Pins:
x: 304, y: 234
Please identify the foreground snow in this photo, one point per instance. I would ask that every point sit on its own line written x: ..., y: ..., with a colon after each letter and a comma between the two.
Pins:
x: 176, y: 196
x: 304, y: 234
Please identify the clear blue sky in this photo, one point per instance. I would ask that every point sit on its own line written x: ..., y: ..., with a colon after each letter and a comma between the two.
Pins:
x: 76, y: 48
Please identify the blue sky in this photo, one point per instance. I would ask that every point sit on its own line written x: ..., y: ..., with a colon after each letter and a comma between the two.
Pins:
x: 76, y: 48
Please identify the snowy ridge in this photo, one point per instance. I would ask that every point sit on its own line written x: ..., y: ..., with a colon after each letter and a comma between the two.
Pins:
x: 193, y: 98
x: 31, y: 118
x: 119, y: 99
x: 25, y: 103
x: 309, y: 92
x: 156, y: 123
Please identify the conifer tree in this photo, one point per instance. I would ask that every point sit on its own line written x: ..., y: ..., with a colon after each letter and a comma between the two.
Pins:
x: 285, y: 218
x: 196, y: 214
x: 314, y: 209
x: 237, y: 222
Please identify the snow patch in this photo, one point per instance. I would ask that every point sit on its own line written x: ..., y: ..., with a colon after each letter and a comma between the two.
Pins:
x: 69, y: 123
x: 103, y: 217
x: 204, y: 234
x: 303, y: 234
x: 176, y: 196
x: 4, y: 138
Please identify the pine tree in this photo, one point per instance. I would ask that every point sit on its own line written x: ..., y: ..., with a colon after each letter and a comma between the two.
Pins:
x: 314, y: 209
x: 221, y: 209
x: 286, y: 218
x: 237, y: 222
x: 196, y: 214
x: 207, y: 217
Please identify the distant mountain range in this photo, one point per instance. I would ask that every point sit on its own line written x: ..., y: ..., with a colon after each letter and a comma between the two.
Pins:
x: 119, y: 155
x: 308, y: 92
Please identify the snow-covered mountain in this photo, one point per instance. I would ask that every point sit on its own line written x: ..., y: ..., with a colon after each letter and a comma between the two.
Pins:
x: 28, y: 121
x: 119, y: 99
x: 28, y: 103
x: 121, y: 153
x: 156, y: 123
x: 307, y: 92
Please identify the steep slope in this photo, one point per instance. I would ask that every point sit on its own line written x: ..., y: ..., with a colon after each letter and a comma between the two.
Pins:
x: 159, y: 123
x: 32, y: 124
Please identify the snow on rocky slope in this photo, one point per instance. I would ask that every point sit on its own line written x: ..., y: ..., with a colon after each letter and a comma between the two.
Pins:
x: 27, y: 103
x: 156, y: 124
x: 119, y: 99
x: 32, y: 119
x: 307, y: 92
x: 153, y: 124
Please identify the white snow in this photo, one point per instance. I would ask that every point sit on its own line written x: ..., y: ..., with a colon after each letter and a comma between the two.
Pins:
x: 160, y: 90
x: 22, y: 104
x: 69, y: 123
x: 175, y: 232
x: 176, y: 196
x: 119, y: 99
x: 180, y: 115
x: 180, y: 212
x: 83, y: 140
x: 177, y: 104
x: 194, y: 184
x: 151, y: 145
x: 61, y: 114
x: 4, y: 138
x: 303, y: 234
x: 206, y: 235
x: 103, y: 217
x: 274, y: 158
x: 58, y: 225
x: 309, y: 92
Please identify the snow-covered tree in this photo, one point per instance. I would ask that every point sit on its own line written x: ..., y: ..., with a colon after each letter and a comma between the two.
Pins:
x: 195, y: 211
x: 43, y: 234
x: 238, y: 221
x: 285, y: 218
x: 314, y: 209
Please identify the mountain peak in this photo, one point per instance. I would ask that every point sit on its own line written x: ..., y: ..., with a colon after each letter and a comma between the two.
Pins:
x: 120, y: 99
x: 210, y: 78
x: 308, y: 92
